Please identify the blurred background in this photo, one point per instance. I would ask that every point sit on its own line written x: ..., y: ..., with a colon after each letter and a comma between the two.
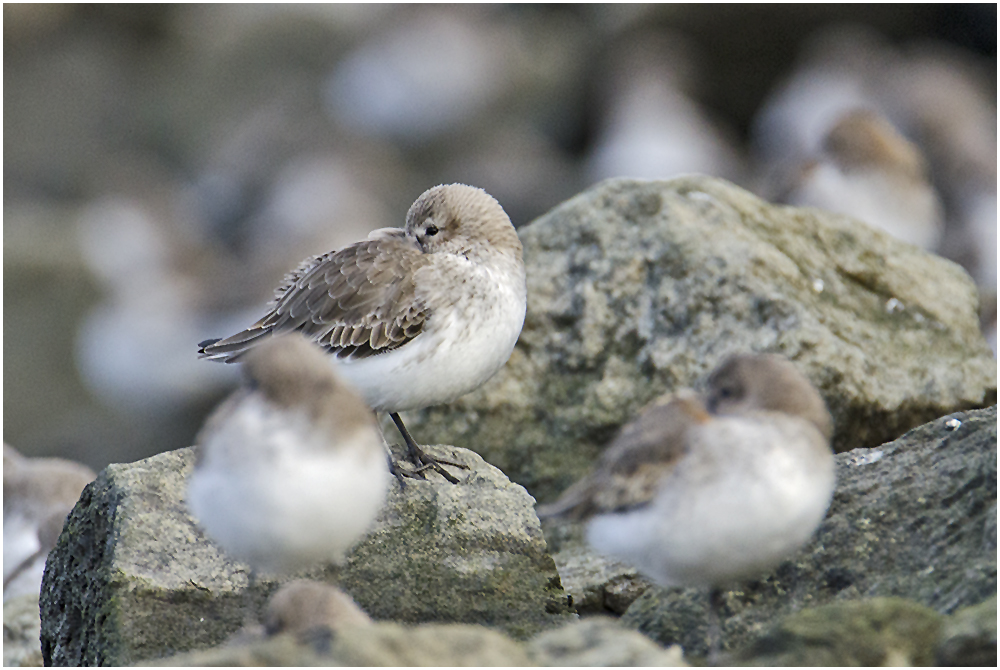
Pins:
x: 165, y: 165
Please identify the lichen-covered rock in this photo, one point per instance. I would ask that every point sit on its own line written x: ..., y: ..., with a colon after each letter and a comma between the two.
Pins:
x: 133, y: 577
x: 638, y: 288
x: 600, y: 642
x: 969, y: 637
x: 914, y: 518
x: 872, y: 632
x: 20, y: 632
x: 379, y: 645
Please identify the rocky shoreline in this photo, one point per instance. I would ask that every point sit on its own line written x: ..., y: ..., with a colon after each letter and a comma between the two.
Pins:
x: 635, y: 289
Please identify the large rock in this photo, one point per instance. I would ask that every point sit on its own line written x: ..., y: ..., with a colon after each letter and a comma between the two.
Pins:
x: 915, y: 518
x: 638, y: 288
x: 381, y: 645
x: 881, y: 632
x: 133, y: 577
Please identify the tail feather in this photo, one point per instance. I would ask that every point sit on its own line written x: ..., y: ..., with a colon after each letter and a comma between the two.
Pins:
x: 229, y: 349
x: 575, y: 503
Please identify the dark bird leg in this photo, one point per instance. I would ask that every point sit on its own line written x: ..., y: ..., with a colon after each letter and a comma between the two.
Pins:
x: 421, y: 459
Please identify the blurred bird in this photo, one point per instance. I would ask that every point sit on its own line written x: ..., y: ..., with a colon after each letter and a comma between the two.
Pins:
x: 38, y: 494
x: 308, y: 609
x: 291, y: 470
x: 833, y: 76
x: 704, y: 492
x: 869, y: 171
x: 410, y: 317
x: 650, y: 127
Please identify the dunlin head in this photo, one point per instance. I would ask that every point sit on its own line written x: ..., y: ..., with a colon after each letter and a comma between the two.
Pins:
x: 291, y: 470
x: 868, y: 170
x: 411, y: 317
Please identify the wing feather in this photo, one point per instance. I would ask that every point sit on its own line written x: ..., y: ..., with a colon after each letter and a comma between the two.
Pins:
x: 357, y: 302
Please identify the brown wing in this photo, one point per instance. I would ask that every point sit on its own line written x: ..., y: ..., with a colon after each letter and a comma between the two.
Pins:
x: 633, y: 466
x: 355, y: 302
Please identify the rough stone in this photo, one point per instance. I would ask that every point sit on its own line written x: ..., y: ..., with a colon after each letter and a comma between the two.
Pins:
x: 20, y: 632
x: 873, y: 632
x: 133, y: 578
x: 638, y: 288
x: 969, y: 637
x: 914, y: 518
x: 600, y: 642
x: 381, y: 645
x: 596, y: 584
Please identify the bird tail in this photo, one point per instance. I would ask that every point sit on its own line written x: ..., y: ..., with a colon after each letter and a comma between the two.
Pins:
x: 231, y: 349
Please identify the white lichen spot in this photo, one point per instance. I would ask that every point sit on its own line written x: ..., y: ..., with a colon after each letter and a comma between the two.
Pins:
x: 869, y: 458
x: 700, y: 195
x: 818, y: 285
x: 952, y: 424
x: 893, y: 305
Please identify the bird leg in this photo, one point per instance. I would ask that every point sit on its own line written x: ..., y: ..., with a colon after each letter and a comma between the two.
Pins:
x: 420, y: 458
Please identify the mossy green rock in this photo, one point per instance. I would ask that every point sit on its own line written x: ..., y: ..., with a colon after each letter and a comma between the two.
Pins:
x: 873, y: 632
x: 133, y: 577
x: 637, y: 288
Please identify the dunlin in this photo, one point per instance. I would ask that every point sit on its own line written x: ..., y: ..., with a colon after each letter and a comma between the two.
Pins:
x: 411, y: 317
x: 304, y: 608
x: 703, y: 492
x: 38, y: 493
x: 868, y: 170
x: 291, y: 470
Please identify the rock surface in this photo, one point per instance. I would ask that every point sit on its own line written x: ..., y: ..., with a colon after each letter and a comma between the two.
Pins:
x: 969, y: 637
x: 914, y: 518
x: 639, y: 288
x: 596, y: 584
x: 133, y: 578
x: 876, y: 632
x: 383, y: 644
x: 20, y: 632
x: 601, y: 642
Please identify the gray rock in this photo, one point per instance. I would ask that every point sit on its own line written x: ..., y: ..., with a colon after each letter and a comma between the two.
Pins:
x: 638, y: 288
x: 596, y: 584
x: 875, y: 632
x: 133, y: 578
x: 601, y: 642
x: 20, y: 632
x: 914, y: 518
x: 969, y: 637
x: 382, y: 645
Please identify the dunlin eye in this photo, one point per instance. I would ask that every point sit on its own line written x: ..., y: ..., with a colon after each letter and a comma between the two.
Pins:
x: 431, y: 231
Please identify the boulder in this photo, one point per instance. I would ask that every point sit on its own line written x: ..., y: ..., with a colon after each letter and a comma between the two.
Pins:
x: 636, y: 288
x: 969, y: 637
x: 133, y: 577
x: 877, y: 632
x: 914, y: 518
x: 600, y: 642
x: 381, y: 645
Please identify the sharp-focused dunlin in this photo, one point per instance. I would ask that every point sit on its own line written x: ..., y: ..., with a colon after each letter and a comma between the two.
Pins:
x: 291, y: 470
x: 411, y: 317
x: 705, y: 492
x: 38, y: 493
x: 868, y: 170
